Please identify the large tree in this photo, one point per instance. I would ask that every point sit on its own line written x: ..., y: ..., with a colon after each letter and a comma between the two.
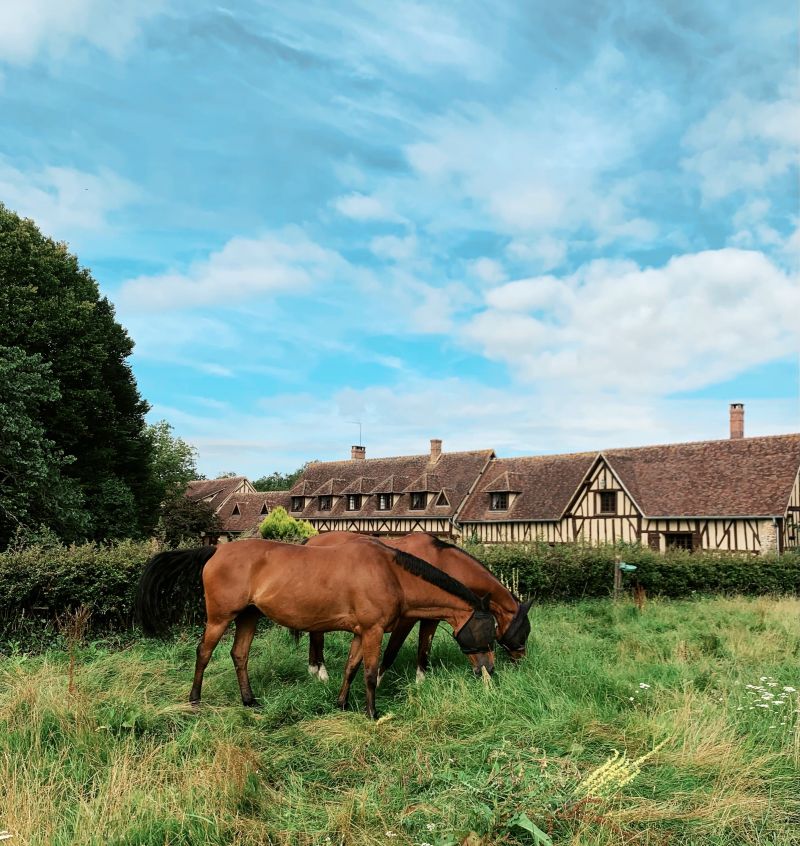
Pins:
x: 279, y: 481
x: 51, y: 308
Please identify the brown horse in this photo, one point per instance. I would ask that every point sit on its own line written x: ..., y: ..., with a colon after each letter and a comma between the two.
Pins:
x: 364, y: 589
x: 513, y: 626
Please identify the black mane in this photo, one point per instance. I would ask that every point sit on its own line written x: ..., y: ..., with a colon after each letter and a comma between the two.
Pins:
x: 438, y: 578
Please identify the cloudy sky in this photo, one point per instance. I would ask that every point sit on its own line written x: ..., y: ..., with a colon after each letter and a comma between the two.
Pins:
x: 526, y: 226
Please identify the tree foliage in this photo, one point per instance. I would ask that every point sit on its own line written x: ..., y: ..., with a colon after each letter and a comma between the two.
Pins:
x: 184, y: 521
x: 279, y: 481
x: 280, y: 526
x: 86, y: 411
x: 173, y: 461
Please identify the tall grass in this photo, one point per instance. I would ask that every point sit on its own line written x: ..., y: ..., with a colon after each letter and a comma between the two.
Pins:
x: 123, y: 760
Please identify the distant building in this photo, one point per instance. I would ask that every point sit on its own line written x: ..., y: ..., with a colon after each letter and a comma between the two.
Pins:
x: 740, y: 494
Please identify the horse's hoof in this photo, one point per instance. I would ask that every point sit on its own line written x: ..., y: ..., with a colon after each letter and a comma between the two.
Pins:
x: 322, y: 675
x: 195, y: 703
x: 251, y: 703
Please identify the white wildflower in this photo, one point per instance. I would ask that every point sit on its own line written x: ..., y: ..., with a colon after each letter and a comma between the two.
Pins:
x: 767, y: 695
x: 390, y: 834
x: 762, y: 705
x: 644, y: 686
x: 431, y: 826
x: 789, y: 690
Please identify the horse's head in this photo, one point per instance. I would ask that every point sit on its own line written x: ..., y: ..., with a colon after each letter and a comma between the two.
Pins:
x: 476, y: 638
x: 515, y: 636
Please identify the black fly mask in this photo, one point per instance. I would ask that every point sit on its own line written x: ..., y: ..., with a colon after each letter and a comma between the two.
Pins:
x: 516, y: 635
x: 477, y: 634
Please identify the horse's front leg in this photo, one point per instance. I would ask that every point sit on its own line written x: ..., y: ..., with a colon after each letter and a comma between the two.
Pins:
x: 427, y: 629
x: 401, y: 631
x: 350, y: 670
x: 371, y: 651
x: 316, y: 657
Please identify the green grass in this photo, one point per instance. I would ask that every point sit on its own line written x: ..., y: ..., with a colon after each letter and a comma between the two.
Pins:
x: 124, y: 761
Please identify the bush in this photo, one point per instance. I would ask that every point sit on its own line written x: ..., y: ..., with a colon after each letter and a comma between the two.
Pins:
x: 571, y: 571
x: 280, y: 526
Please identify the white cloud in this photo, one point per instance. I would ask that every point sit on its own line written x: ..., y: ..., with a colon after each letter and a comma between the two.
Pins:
x: 393, y: 247
x: 744, y: 144
x: 278, y: 262
x: 363, y: 207
x: 613, y: 326
x: 33, y: 27
x: 63, y: 200
x: 487, y: 270
x: 543, y: 252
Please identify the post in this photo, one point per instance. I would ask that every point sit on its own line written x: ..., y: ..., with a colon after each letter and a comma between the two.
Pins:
x: 617, y: 578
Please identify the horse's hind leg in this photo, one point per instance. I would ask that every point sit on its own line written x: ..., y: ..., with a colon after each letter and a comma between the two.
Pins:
x: 427, y: 629
x: 246, y: 622
x: 316, y: 657
x: 350, y: 670
x: 215, y: 628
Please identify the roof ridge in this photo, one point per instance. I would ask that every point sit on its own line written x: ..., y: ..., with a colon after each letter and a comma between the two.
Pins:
x: 698, y: 443
x: 395, y: 457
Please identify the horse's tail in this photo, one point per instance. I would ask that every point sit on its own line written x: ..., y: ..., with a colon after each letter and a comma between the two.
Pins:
x: 174, y: 574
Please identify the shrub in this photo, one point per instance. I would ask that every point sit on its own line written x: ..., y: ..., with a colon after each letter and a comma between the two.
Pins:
x: 571, y: 571
x: 280, y: 526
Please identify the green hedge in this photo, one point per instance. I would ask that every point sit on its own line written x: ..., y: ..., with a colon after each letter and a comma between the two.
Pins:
x: 40, y: 582
x: 571, y: 571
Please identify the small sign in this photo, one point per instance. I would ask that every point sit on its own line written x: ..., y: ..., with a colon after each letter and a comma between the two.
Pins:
x: 627, y: 568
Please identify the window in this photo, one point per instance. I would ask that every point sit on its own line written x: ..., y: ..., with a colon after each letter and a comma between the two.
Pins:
x: 442, y: 499
x: 353, y: 502
x: 654, y: 541
x: 384, y: 502
x: 325, y: 503
x: 297, y: 503
x: 679, y: 540
x: 498, y: 501
x: 608, y: 502
x: 236, y: 509
x: 418, y: 500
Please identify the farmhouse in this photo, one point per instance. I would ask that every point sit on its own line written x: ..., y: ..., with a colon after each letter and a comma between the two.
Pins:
x: 238, y: 505
x: 389, y: 496
x: 737, y: 494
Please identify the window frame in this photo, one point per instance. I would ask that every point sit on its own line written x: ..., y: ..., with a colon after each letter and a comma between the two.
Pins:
x: 670, y: 540
x: 356, y: 502
x: 603, y: 511
x: 502, y: 496
x: 416, y: 497
x: 388, y: 501
x: 326, y: 503
x: 297, y: 503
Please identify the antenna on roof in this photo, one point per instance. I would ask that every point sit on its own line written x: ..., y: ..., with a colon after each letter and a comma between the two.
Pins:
x: 358, y: 423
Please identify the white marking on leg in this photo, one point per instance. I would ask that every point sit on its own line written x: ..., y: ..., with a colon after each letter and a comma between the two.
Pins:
x: 313, y: 669
x: 420, y: 675
x: 323, y: 673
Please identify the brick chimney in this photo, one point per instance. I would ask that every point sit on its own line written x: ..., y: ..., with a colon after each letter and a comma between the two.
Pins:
x: 436, y: 449
x: 359, y: 452
x: 737, y: 420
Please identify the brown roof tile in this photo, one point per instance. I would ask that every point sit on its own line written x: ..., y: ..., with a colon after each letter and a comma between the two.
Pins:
x: 545, y: 483
x: 457, y: 471
x: 729, y: 478
x: 215, y: 491
x: 244, y: 512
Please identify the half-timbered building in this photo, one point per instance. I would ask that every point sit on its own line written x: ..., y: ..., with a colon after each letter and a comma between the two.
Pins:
x: 389, y: 496
x: 740, y: 494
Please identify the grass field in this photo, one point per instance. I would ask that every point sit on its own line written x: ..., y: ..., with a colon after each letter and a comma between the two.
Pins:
x: 124, y: 761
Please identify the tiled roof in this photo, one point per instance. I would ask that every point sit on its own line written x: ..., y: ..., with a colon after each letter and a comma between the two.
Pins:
x: 215, y: 491
x: 426, y: 483
x: 252, y: 508
x: 456, y: 471
x: 728, y: 478
x: 361, y: 485
x: 545, y: 484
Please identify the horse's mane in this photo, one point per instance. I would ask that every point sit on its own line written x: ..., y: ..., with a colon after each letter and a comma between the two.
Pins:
x: 443, y: 544
x: 438, y: 578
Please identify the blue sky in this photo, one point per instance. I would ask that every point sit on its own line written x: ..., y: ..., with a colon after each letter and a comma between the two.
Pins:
x: 509, y: 225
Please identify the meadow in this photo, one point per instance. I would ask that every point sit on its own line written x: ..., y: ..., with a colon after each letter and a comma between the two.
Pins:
x: 545, y: 753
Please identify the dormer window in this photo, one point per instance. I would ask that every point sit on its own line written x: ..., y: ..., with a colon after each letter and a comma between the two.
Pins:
x: 297, y: 503
x: 353, y: 502
x: 264, y: 509
x: 384, y: 501
x: 325, y: 503
x: 498, y: 501
x: 418, y: 500
x: 236, y: 509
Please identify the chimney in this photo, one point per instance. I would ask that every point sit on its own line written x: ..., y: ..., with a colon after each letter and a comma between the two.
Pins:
x: 737, y: 420
x: 359, y: 452
x: 436, y: 449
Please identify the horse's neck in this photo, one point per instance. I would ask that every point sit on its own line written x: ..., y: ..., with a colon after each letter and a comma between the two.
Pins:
x: 480, y: 581
x: 429, y: 601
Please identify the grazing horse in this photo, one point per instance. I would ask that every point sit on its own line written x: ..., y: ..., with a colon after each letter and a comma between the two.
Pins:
x: 364, y: 589
x: 513, y: 626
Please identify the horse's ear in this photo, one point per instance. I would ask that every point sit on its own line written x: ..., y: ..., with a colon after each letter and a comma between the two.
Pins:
x: 485, y: 602
x: 526, y: 606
